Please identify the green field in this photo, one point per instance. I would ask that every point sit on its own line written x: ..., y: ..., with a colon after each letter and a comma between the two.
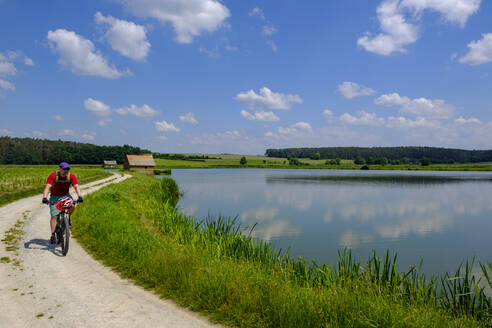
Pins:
x: 213, y: 267
x: 256, y: 161
x: 19, y: 181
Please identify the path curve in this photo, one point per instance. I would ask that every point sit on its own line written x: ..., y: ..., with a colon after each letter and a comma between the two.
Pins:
x: 44, y: 289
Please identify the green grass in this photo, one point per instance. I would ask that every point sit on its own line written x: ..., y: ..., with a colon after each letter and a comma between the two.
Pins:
x: 232, y: 161
x: 216, y: 268
x: 20, y: 181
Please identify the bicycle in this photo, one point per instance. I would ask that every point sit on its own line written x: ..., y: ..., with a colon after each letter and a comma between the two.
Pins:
x: 62, y: 230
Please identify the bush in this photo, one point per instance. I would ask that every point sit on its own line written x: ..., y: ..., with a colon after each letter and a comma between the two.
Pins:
x: 424, y: 161
x: 243, y: 161
x: 359, y: 160
x: 294, y: 161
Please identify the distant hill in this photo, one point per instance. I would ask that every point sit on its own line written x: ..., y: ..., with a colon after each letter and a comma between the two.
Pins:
x: 43, y: 151
x: 406, y: 154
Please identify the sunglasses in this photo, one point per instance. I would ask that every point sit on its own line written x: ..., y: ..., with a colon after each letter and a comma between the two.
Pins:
x: 67, y: 169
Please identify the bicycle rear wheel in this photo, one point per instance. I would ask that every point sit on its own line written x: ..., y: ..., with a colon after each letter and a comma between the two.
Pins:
x: 66, y: 234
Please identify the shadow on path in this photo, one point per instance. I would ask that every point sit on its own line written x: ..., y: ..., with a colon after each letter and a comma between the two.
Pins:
x: 45, y: 246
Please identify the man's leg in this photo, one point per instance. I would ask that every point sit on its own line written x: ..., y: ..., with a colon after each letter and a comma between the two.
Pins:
x: 53, y: 224
x: 53, y: 228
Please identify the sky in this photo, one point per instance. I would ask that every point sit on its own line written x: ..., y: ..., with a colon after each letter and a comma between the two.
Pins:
x: 209, y: 76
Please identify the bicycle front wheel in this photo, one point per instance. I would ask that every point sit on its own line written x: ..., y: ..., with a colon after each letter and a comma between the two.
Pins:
x: 66, y: 234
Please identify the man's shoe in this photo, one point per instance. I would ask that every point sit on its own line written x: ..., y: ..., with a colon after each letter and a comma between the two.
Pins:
x: 53, y: 239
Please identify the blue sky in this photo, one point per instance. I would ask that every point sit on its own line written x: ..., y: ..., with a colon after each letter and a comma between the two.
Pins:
x: 242, y: 76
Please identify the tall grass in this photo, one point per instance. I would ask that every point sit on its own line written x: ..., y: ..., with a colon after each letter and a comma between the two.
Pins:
x: 215, y: 266
x: 19, y: 181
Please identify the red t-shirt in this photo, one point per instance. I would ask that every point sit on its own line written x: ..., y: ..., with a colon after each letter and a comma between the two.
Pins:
x: 62, y: 186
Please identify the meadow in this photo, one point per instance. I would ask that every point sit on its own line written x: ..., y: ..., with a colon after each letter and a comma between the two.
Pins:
x: 257, y: 161
x: 19, y: 181
x: 215, y: 267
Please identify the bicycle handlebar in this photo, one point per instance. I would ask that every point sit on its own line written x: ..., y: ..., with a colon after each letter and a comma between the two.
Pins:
x: 75, y: 202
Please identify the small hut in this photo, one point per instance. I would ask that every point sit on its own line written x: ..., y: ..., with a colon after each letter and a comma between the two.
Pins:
x: 140, y: 163
x: 109, y: 164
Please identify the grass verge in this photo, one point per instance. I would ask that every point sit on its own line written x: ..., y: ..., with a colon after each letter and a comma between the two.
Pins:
x: 214, y: 268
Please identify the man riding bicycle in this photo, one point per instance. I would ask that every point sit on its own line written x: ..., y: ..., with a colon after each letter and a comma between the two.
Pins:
x: 58, y: 184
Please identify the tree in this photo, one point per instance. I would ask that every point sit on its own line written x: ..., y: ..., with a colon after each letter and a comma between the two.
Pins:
x: 294, y: 161
x: 243, y: 161
x: 359, y: 160
x: 424, y: 161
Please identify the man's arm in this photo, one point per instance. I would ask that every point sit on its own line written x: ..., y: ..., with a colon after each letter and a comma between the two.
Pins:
x: 77, y: 190
x: 46, y: 190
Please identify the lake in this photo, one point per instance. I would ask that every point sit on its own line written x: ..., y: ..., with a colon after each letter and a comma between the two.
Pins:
x: 440, y: 217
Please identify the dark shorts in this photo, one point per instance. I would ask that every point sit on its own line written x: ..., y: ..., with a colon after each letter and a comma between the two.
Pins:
x: 54, y: 198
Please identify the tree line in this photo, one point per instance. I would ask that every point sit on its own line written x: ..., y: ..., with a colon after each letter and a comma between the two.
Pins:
x: 387, y: 154
x: 43, y: 151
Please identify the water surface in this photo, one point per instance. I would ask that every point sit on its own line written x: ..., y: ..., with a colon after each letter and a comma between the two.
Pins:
x: 442, y: 217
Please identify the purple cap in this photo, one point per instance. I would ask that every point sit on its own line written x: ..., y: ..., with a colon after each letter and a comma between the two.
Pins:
x: 64, y: 165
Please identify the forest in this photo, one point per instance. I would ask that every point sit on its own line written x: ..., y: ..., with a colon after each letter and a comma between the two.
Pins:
x: 43, y: 151
x: 375, y: 154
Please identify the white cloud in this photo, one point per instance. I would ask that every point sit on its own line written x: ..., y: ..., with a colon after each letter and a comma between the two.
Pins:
x: 78, y: 55
x: 269, y: 134
x: 86, y: 136
x: 189, y: 18
x: 212, y: 53
x: 453, y: 11
x: 67, y: 132
x: 296, y: 128
x: 7, y: 68
x: 5, y: 131
x: 38, y: 134
x: 268, y: 29
x: 142, y: 111
x: 28, y: 61
x: 433, y: 108
x: 480, y: 52
x: 405, y: 123
x: 351, y: 90
x: 231, y: 48
x: 126, y: 37
x: 391, y: 100
x: 257, y: 12
x: 188, y: 118
x: 363, y: 118
x: 57, y: 117
x: 397, y: 33
x: 163, y: 126
x: 471, y: 120
x: 6, y: 85
x: 328, y: 114
x: 272, y: 45
x: 269, y: 99
x: 260, y: 116
x: 104, y: 122
x: 97, y: 107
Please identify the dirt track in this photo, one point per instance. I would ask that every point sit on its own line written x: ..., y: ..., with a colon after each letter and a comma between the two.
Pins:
x: 40, y: 288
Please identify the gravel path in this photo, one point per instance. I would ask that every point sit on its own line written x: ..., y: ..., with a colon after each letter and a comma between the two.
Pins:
x: 41, y: 288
